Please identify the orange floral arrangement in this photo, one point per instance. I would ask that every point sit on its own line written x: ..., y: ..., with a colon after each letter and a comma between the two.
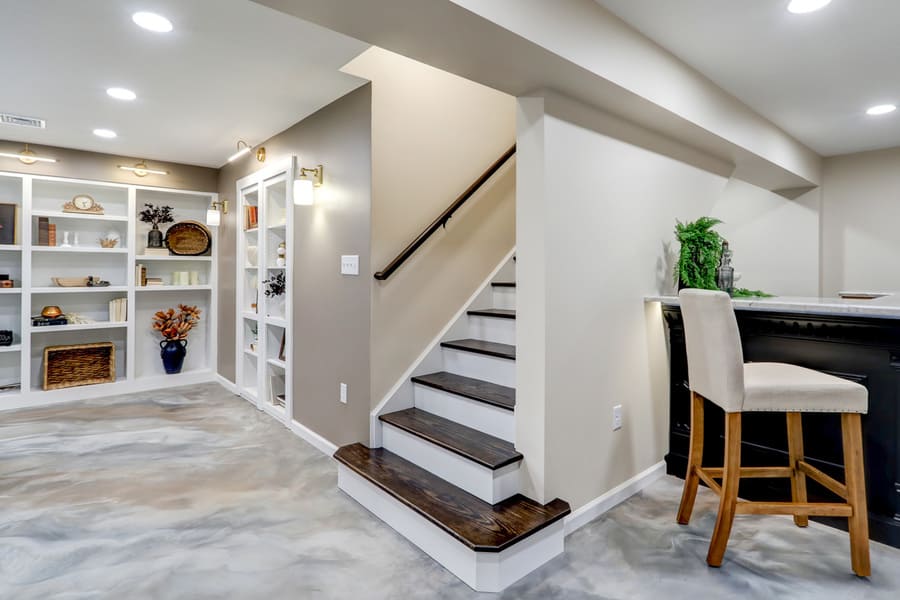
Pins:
x: 176, y: 325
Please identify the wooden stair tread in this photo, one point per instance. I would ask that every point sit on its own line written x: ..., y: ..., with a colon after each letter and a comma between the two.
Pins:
x: 504, y: 284
x: 477, y: 446
x: 469, y: 387
x: 472, y: 521
x: 482, y: 347
x: 499, y: 313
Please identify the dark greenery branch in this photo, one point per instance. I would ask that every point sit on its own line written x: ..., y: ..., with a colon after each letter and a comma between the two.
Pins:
x: 745, y: 293
x: 701, y: 251
x: 156, y: 215
x: 275, y: 285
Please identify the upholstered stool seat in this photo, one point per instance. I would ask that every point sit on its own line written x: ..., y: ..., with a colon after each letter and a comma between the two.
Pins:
x: 716, y: 372
x: 778, y: 387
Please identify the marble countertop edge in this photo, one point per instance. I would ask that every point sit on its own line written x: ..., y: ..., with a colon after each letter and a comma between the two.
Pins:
x: 887, y: 306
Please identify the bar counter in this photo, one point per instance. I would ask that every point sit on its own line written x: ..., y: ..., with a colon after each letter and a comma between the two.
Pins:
x: 852, y: 338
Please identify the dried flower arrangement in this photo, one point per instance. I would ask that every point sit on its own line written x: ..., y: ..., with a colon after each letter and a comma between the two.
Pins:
x: 109, y: 242
x: 157, y: 215
x: 275, y: 285
x: 176, y: 325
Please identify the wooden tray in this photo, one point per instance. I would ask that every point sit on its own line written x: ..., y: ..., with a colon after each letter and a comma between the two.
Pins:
x: 79, y: 364
x: 188, y: 238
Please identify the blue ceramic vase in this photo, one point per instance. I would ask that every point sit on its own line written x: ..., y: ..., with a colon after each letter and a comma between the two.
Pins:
x: 172, y: 353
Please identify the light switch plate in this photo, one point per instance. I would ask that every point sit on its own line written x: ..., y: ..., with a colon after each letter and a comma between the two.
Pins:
x: 350, y: 264
x: 344, y: 393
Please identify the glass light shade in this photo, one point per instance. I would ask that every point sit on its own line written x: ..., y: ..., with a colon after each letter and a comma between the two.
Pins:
x: 303, y: 192
x: 213, y: 217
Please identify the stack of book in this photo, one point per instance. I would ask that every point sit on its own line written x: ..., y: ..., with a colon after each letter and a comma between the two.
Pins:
x: 140, y: 275
x: 156, y: 252
x: 46, y: 232
x: 154, y: 281
x: 40, y: 321
x: 251, y: 217
x: 118, y: 310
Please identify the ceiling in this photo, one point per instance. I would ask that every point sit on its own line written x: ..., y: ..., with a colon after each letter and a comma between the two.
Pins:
x: 814, y: 75
x: 231, y: 69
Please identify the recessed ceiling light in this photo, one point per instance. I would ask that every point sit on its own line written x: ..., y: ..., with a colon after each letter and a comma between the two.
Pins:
x: 799, y: 7
x: 152, y: 22
x: 105, y: 133
x: 121, y: 93
x: 881, y: 109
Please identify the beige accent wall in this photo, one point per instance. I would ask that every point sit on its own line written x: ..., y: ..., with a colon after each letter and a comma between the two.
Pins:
x: 433, y: 134
x: 860, y: 243
x: 331, y: 311
x: 597, y: 206
x: 79, y: 164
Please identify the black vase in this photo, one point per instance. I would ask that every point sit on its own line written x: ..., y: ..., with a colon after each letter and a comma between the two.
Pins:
x: 155, y: 237
x: 172, y: 353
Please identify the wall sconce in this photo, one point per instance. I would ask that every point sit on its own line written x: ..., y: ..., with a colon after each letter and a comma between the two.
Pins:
x: 305, y: 184
x: 213, y: 217
x: 245, y: 148
x: 141, y: 170
x: 27, y: 157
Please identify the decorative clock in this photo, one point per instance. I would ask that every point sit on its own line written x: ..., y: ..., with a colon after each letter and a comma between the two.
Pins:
x: 84, y: 204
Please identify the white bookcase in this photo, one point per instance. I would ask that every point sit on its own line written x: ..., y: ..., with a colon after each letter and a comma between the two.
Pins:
x: 32, y: 267
x: 262, y: 360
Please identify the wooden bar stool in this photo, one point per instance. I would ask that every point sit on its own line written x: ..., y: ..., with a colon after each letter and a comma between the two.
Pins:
x: 717, y: 373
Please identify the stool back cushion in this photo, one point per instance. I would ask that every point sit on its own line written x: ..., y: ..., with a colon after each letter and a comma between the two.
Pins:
x: 715, y: 357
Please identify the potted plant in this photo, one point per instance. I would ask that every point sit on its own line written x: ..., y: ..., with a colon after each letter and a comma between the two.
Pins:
x: 174, y: 327
x: 276, y: 286
x: 701, y: 252
x: 156, y: 215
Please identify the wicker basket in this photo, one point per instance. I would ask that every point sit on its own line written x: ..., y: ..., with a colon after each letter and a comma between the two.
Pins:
x: 79, y: 364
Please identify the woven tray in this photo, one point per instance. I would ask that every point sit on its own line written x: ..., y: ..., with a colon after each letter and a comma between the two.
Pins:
x: 79, y: 364
x: 188, y: 238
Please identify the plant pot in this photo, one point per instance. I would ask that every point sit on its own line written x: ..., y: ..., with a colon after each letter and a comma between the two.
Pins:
x: 155, y: 237
x: 172, y: 353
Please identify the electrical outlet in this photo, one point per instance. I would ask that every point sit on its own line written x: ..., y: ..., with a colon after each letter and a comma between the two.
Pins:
x: 344, y: 393
x: 617, y: 417
x: 350, y: 264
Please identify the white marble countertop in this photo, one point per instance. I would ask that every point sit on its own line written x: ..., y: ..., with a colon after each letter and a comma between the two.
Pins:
x: 887, y: 306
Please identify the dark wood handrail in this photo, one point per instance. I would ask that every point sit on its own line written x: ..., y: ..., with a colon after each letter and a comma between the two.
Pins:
x: 445, y: 216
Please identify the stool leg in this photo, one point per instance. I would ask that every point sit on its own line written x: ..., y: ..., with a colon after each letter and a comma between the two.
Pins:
x: 851, y: 425
x: 731, y: 479
x: 795, y: 450
x: 695, y: 461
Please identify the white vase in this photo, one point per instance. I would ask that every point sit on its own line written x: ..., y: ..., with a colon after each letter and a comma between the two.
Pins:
x: 275, y: 306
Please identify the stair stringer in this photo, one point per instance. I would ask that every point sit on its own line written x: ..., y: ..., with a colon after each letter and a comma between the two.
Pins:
x: 401, y: 396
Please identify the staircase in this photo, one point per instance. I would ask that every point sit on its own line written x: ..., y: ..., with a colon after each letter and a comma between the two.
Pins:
x: 447, y: 475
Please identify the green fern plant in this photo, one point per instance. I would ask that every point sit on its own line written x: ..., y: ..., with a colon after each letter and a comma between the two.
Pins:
x: 701, y: 251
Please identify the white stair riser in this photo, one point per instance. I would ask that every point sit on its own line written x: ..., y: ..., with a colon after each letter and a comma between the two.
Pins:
x: 490, y: 486
x: 482, y: 571
x: 486, y: 418
x: 504, y: 297
x: 480, y: 366
x: 492, y: 329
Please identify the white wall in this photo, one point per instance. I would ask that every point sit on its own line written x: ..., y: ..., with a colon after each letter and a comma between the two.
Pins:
x: 594, y: 236
x: 860, y: 242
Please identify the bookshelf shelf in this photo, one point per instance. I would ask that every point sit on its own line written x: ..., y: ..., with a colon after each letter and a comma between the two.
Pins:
x: 262, y: 377
x: 33, y: 266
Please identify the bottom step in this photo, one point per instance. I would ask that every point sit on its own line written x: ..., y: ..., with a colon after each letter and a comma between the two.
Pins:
x: 488, y: 547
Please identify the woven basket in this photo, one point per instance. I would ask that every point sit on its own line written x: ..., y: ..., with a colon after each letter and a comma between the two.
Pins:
x: 79, y: 364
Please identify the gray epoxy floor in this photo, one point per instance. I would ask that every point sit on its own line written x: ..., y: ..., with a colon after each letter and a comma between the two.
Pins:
x: 192, y: 493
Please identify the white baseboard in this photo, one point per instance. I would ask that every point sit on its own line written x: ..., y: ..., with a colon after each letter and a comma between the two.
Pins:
x: 596, y: 507
x: 227, y: 384
x: 307, y: 434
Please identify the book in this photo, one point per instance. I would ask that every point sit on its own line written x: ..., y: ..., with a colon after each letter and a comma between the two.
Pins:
x: 156, y: 252
x: 51, y: 234
x: 43, y: 231
x: 118, y: 312
x: 40, y: 321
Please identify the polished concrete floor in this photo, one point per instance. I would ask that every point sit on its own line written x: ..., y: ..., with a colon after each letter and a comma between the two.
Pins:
x: 194, y: 494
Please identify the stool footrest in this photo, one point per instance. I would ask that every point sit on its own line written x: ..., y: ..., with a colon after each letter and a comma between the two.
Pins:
x: 752, y: 472
x: 810, y: 509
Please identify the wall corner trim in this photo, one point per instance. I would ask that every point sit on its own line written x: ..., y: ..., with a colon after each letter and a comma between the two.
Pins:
x: 227, y: 384
x: 605, y: 502
x: 313, y: 438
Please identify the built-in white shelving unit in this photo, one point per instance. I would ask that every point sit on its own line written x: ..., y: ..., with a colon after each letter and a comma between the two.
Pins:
x: 263, y: 327
x: 32, y: 267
